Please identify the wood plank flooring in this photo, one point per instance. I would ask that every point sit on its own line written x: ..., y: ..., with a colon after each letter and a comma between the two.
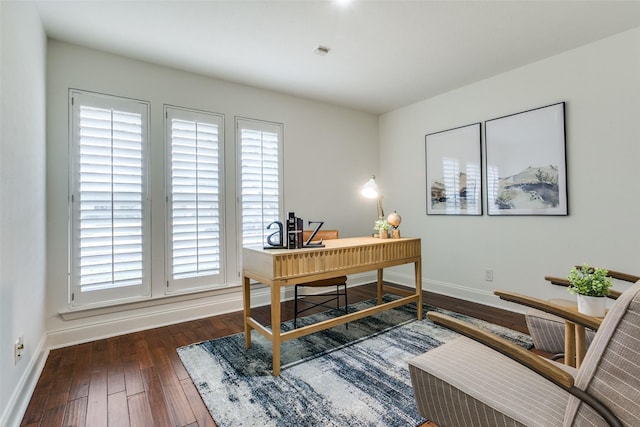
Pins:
x: 138, y: 379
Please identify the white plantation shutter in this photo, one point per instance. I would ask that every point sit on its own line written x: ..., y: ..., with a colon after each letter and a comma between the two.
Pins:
x: 194, y: 153
x: 109, y: 199
x: 260, y: 176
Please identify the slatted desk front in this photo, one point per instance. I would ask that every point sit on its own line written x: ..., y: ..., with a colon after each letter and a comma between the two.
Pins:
x: 278, y: 268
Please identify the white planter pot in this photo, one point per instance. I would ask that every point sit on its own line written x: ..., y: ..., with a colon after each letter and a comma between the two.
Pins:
x: 592, y: 306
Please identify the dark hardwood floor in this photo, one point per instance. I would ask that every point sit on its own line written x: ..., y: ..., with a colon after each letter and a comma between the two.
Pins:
x: 138, y: 379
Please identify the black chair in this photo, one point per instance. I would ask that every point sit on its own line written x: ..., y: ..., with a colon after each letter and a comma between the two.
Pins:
x: 310, y: 301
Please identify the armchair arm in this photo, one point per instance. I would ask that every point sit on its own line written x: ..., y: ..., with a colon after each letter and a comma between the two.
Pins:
x: 509, y: 349
x: 624, y: 276
x: 528, y: 359
x: 546, y: 306
x: 560, y: 281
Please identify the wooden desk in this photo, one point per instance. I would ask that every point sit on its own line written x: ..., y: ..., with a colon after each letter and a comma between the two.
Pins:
x: 278, y: 268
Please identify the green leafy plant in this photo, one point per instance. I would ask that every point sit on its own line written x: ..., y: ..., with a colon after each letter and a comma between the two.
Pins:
x: 382, y: 225
x: 589, y: 281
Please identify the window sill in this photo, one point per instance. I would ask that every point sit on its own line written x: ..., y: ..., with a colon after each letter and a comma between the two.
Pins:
x: 84, y: 312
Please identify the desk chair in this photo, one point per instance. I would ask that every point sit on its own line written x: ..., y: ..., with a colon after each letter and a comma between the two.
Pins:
x: 320, y: 300
x: 480, y: 379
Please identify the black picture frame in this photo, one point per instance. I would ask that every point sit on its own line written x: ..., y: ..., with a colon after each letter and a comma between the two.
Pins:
x: 525, y: 163
x: 453, y: 161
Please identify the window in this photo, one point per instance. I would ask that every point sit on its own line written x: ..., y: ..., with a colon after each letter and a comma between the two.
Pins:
x: 260, y: 178
x: 109, y: 206
x: 194, y: 153
x: 110, y: 253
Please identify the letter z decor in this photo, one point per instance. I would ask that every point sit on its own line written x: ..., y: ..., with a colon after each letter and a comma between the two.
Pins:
x: 526, y: 170
x: 454, y: 177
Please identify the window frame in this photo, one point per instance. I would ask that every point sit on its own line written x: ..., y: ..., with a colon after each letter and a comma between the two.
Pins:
x: 204, y: 282
x: 115, y: 294
x: 260, y: 125
x: 151, y: 289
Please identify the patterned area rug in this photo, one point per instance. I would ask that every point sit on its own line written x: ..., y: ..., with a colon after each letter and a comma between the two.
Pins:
x: 355, y: 376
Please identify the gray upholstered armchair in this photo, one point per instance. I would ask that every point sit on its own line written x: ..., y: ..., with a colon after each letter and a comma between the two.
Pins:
x: 488, y: 381
x: 547, y: 330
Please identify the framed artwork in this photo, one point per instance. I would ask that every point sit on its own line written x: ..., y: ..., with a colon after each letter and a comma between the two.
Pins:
x: 526, y: 170
x: 454, y: 177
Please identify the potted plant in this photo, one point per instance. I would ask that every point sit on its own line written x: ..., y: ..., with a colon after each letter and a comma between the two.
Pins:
x: 382, y: 226
x: 591, y: 285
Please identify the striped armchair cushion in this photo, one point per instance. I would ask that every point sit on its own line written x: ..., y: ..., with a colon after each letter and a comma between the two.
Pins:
x: 464, y: 383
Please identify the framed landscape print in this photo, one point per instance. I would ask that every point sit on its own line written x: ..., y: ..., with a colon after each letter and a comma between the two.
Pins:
x: 454, y: 177
x: 526, y: 172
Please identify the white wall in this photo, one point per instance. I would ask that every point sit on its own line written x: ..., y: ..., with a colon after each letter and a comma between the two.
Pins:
x: 22, y: 203
x: 600, y: 84
x: 329, y: 152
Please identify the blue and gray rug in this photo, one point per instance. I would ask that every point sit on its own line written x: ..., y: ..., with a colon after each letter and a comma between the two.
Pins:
x: 355, y: 376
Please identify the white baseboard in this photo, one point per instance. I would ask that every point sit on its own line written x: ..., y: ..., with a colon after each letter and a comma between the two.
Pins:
x: 164, y: 315
x: 19, y: 400
x: 156, y: 317
x: 456, y: 291
x: 221, y: 304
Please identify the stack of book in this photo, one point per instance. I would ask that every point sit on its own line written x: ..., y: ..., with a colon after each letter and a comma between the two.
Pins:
x: 294, y: 231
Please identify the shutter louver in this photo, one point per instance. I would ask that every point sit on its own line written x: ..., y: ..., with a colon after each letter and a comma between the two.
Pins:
x: 260, y: 180
x: 195, y: 198
x: 110, y: 193
x: 195, y: 231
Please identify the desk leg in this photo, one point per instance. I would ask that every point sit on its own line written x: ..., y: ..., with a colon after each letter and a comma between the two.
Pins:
x: 246, y: 304
x: 275, y: 328
x: 418, y: 271
x: 380, y: 281
x: 581, y: 347
x: 569, y: 344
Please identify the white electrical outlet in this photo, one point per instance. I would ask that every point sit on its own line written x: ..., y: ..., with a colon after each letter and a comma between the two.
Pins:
x: 488, y: 275
x: 18, y: 349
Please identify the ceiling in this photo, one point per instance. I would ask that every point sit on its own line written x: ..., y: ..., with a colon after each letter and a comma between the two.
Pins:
x: 383, y: 54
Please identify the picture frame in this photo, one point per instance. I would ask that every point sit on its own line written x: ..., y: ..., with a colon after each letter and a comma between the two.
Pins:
x: 453, y: 160
x: 525, y: 163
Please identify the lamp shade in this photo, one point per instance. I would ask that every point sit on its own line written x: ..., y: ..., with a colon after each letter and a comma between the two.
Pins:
x: 370, y: 189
